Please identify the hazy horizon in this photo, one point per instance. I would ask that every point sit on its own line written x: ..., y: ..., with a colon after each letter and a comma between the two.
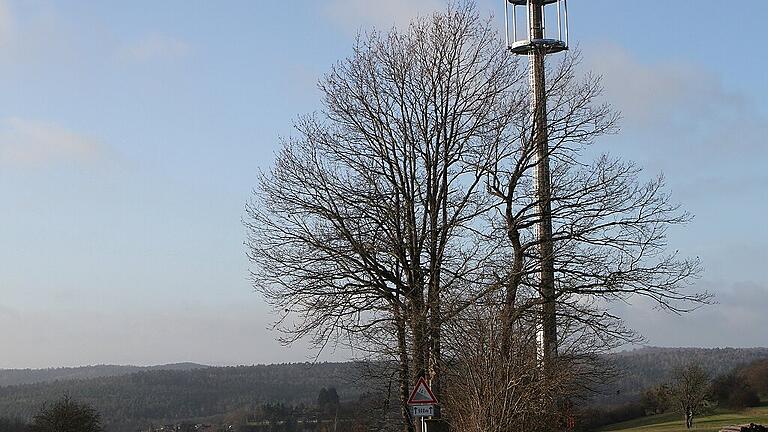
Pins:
x: 190, y: 362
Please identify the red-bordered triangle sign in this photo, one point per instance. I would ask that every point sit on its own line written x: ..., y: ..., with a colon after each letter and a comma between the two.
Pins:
x: 422, y: 394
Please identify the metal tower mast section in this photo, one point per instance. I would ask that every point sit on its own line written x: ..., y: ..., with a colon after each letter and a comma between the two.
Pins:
x: 547, y: 335
x: 536, y: 45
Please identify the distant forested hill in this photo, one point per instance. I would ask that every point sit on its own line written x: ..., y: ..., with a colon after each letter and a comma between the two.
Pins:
x: 129, y: 402
x: 646, y: 367
x: 32, y: 376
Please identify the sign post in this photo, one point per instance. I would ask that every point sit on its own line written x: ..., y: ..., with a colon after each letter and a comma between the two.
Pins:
x: 422, y: 402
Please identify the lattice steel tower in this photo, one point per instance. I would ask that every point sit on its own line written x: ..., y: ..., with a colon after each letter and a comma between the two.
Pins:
x: 537, y: 42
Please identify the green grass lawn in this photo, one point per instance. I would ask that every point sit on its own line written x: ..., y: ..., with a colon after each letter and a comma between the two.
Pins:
x: 711, y: 423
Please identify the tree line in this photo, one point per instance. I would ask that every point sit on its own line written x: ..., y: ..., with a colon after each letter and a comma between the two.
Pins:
x: 31, y: 376
x: 326, y: 414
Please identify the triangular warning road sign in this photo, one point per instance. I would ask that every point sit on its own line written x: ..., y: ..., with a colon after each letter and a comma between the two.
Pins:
x: 422, y: 394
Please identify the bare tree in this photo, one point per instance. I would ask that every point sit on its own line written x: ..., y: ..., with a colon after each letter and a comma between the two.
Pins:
x: 493, y: 386
x: 367, y: 228
x: 496, y: 383
x: 690, y: 390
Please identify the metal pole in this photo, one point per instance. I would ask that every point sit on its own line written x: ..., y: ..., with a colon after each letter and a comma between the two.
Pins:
x: 514, y: 23
x: 506, y: 22
x: 565, y: 17
x: 547, y: 336
x: 528, y: 19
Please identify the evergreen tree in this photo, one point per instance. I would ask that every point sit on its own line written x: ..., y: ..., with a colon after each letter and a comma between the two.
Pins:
x: 66, y: 415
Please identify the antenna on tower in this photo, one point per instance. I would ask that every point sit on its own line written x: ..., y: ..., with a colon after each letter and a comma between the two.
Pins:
x: 524, y: 41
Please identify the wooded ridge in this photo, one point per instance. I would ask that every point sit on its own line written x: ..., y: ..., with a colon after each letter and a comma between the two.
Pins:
x: 154, y: 396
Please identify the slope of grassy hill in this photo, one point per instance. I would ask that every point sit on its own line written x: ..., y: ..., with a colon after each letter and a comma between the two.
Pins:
x: 672, y: 422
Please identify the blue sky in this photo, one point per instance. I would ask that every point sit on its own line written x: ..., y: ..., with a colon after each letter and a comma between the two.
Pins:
x: 131, y: 135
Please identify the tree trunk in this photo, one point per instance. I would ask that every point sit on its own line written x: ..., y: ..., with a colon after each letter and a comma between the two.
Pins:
x: 419, y: 348
x: 435, y: 351
x: 509, y: 311
x: 403, y: 371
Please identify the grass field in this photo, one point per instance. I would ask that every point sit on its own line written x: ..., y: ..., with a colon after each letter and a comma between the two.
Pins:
x: 711, y: 423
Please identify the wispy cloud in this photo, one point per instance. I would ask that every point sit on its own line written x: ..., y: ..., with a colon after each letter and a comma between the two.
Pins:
x: 731, y: 322
x: 683, y: 109
x: 32, y: 143
x: 356, y: 14
x: 35, y: 37
x: 156, y: 47
x: 648, y: 92
x: 41, y: 36
x: 680, y: 117
x: 6, y: 24
x: 6, y: 311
